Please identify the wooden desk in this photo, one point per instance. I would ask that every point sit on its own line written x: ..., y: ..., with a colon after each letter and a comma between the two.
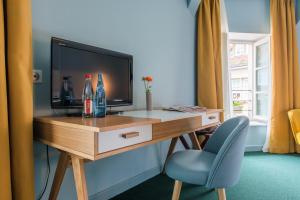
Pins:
x: 81, y: 139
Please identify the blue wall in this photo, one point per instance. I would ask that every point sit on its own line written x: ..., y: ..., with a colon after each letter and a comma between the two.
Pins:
x: 298, y: 36
x: 297, y: 4
x: 161, y: 37
x: 248, y: 16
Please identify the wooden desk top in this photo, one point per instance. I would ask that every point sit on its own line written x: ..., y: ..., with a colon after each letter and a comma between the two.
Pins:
x: 124, y: 120
x: 110, y: 122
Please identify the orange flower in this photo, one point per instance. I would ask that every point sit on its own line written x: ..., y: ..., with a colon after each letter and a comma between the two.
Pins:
x: 148, y: 78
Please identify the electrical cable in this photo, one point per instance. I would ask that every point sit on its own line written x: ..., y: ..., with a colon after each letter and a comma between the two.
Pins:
x: 47, y: 176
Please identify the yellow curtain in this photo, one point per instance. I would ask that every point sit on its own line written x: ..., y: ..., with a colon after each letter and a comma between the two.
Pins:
x: 285, y: 75
x: 209, y: 67
x: 5, y: 186
x: 16, y: 104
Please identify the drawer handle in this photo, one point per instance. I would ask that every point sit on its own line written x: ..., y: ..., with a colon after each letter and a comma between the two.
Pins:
x: 130, y: 135
x: 212, y: 117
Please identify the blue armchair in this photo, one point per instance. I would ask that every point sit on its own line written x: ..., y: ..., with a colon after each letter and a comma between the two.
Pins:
x: 218, y: 165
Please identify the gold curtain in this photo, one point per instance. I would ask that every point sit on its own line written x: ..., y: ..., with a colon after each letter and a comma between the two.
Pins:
x: 16, y: 104
x: 209, y: 63
x: 285, y: 75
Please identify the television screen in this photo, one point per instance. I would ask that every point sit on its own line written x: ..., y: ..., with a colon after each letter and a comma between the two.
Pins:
x: 70, y: 61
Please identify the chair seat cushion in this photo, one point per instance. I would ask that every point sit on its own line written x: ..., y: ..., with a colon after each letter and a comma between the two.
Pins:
x: 191, y: 166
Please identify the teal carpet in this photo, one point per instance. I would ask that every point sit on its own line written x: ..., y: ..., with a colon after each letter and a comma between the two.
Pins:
x: 264, y: 177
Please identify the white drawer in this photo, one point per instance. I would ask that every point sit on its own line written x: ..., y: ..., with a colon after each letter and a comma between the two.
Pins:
x: 211, y: 118
x: 111, y: 140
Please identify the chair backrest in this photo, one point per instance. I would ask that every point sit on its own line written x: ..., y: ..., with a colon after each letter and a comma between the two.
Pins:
x: 228, y: 142
x: 294, y: 116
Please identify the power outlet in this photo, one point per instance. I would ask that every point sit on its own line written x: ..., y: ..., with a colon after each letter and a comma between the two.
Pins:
x: 37, y: 76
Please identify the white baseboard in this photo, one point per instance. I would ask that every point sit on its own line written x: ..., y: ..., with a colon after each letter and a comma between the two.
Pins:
x: 253, y: 148
x: 125, y: 185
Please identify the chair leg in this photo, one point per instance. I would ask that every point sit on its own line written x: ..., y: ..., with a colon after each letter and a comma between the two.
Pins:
x: 221, y: 194
x: 177, y: 189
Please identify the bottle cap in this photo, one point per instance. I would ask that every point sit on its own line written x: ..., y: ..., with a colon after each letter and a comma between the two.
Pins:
x: 88, y: 75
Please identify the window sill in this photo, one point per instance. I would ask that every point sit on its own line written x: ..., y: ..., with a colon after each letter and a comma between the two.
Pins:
x: 257, y: 123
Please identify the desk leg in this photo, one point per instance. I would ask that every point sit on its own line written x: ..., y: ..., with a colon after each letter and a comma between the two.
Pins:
x: 79, y: 176
x: 170, y: 151
x: 59, y: 175
x: 184, y: 143
x: 195, y: 141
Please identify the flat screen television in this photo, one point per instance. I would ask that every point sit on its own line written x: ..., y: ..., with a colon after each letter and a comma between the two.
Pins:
x: 70, y: 61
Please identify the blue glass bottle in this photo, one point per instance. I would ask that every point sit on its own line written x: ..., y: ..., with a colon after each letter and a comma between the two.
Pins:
x: 100, y: 99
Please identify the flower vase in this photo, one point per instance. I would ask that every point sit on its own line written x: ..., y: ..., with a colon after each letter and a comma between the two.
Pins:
x: 148, y: 100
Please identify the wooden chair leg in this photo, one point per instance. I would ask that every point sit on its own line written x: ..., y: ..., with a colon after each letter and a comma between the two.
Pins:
x: 170, y: 151
x: 59, y: 175
x: 79, y: 176
x: 221, y: 193
x: 177, y: 189
x: 195, y: 140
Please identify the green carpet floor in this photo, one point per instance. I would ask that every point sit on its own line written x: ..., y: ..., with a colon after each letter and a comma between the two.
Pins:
x: 264, y: 177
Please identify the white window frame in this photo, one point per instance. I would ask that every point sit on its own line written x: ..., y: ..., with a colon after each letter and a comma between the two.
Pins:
x: 255, y: 45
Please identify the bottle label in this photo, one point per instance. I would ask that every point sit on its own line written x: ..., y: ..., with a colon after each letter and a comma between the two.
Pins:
x: 88, y: 105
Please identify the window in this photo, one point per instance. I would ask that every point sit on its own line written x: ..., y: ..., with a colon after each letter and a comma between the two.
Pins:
x: 249, y: 69
x: 261, y: 71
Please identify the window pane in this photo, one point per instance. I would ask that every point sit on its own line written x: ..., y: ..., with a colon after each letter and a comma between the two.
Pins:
x: 262, y: 55
x: 242, y: 102
x: 238, y: 55
x: 262, y: 104
x: 241, y: 84
x: 262, y: 78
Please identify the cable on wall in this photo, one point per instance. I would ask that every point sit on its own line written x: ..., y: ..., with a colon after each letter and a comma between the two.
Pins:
x: 47, y: 176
